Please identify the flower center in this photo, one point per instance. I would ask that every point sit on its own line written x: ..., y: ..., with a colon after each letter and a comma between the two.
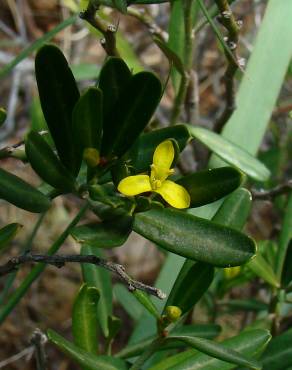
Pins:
x: 156, y: 184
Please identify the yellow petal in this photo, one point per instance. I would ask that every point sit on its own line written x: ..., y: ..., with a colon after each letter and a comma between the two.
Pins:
x: 163, y: 155
x: 133, y: 185
x: 174, y: 194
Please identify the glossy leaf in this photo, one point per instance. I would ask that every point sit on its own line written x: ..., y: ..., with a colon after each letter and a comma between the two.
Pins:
x: 87, y: 121
x: 231, y: 153
x: 84, y: 319
x: 195, y: 238
x: 58, y: 95
x: 100, y: 279
x: 192, y: 282
x: 141, y: 155
x: 7, y: 233
x: 113, y: 79
x: 84, y: 358
x: 46, y: 164
x: 250, y: 343
x: 132, y: 112
x: 210, y: 185
x: 203, y: 331
x: 218, y: 351
x: 278, y: 355
x: 21, y: 194
x: 107, y: 234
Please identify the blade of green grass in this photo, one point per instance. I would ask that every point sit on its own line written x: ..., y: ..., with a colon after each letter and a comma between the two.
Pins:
x: 36, y: 45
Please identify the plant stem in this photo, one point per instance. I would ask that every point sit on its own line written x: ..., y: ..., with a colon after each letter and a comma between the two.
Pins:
x: 188, y: 61
x: 37, y: 270
x: 137, y: 365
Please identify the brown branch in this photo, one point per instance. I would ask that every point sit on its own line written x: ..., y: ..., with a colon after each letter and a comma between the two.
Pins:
x: 108, y: 30
x: 61, y: 260
x: 227, y: 19
x: 272, y: 193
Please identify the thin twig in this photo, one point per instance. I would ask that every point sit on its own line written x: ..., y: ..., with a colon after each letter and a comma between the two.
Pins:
x: 61, y: 260
x: 39, y: 340
x: 108, y: 31
x: 272, y: 193
x: 148, y: 21
x: 227, y: 19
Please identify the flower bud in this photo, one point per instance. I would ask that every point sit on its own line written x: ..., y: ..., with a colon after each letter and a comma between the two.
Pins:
x: 91, y: 157
x: 173, y: 313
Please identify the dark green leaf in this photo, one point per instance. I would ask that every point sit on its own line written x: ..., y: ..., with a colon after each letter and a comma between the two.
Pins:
x: 107, y: 234
x: 87, y: 121
x: 99, y: 278
x: 21, y: 194
x: 278, y: 355
x: 194, y: 237
x: 244, y: 304
x: 217, y: 350
x: 113, y: 79
x: 141, y: 155
x: 210, y: 185
x: 231, y: 153
x: 58, y: 94
x: 192, y: 282
x: 7, y: 233
x: 264, y: 270
x: 46, y: 164
x: 132, y: 112
x: 287, y: 271
x: 84, y: 319
x: 114, y: 326
x: 83, y: 358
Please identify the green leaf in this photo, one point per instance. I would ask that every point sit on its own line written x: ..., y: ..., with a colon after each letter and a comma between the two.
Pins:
x: 264, y: 270
x: 235, y: 209
x: 278, y: 354
x: 46, y: 164
x: 217, y: 350
x: 114, y: 326
x: 83, y: 358
x: 58, y: 95
x: 3, y: 115
x: 141, y: 154
x: 128, y: 301
x: 36, y: 45
x: 99, y: 278
x: 287, y: 271
x: 250, y: 343
x: 7, y: 233
x: 204, y: 331
x: 106, y: 234
x: 171, y: 55
x: 192, y: 282
x: 133, y: 110
x: 210, y: 185
x: 87, y: 121
x: 231, y: 153
x: 146, y: 302
x: 38, y: 122
x: 113, y: 79
x: 21, y: 194
x: 243, y: 304
x: 285, y: 238
x: 84, y: 319
x: 195, y: 238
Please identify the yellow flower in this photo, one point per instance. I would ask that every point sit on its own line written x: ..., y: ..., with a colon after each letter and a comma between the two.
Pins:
x: 172, y: 193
